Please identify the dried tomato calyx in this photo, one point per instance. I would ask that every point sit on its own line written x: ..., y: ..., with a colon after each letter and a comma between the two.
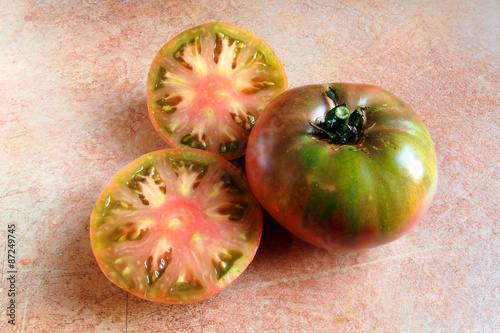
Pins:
x: 339, y: 125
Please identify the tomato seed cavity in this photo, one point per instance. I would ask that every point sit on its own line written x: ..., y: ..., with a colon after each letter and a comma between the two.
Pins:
x: 225, y: 262
x: 232, y: 211
x: 194, y: 141
x: 162, y: 72
x: 156, y: 268
x: 185, y: 286
x: 227, y: 147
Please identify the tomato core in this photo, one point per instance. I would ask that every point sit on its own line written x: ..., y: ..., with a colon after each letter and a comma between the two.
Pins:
x: 212, y: 92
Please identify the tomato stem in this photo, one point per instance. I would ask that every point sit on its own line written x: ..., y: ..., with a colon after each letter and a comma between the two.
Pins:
x: 339, y: 125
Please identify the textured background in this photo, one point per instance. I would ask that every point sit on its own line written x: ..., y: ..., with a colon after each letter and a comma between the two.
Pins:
x: 73, y: 103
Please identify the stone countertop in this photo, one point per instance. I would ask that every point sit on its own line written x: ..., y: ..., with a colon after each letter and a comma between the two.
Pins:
x: 73, y: 96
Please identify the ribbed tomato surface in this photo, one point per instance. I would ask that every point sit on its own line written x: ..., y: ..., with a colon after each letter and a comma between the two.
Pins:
x: 338, y: 196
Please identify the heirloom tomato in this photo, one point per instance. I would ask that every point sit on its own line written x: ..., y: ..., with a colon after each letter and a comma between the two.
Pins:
x: 342, y: 166
x: 176, y: 226
x: 208, y: 85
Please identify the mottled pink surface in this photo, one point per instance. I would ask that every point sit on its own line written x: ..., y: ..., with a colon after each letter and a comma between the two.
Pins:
x: 73, y: 97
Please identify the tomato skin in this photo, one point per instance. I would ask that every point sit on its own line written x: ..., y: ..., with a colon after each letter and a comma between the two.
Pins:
x: 342, y: 196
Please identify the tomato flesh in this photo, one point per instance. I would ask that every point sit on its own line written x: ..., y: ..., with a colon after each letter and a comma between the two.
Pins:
x: 342, y: 196
x: 208, y: 85
x: 176, y: 226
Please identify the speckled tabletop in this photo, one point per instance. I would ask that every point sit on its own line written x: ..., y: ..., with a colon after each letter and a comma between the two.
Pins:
x: 73, y: 103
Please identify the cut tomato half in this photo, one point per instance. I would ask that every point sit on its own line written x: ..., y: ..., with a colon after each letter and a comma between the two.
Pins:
x: 208, y: 85
x: 176, y: 226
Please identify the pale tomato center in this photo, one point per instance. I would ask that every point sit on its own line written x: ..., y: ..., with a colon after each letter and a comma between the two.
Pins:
x: 184, y: 221
x: 213, y: 92
x: 176, y: 215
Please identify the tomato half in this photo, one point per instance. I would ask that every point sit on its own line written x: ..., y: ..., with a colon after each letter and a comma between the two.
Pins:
x: 208, y: 85
x: 176, y: 226
x: 361, y: 182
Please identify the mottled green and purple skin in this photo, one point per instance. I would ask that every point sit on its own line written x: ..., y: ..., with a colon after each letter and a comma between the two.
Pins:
x: 342, y: 196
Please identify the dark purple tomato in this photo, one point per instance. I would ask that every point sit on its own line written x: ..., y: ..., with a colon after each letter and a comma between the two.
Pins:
x: 342, y: 166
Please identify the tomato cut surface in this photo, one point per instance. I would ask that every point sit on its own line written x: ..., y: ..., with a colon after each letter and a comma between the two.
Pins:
x: 176, y: 226
x: 208, y: 85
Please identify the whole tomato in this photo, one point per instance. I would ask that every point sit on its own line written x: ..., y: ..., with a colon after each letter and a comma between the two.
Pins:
x: 342, y: 166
